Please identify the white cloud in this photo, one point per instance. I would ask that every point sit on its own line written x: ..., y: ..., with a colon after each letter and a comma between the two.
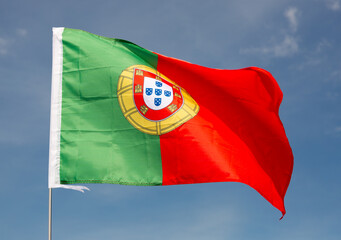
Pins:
x: 6, y: 42
x: 336, y: 74
x: 323, y: 45
x: 315, y: 57
x: 291, y: 15
x: 287, y: 47
x: 283, y: 45
x: 3, y: 46
x: 333, y: 131
x: 333, y: 5
x: 21, y: 32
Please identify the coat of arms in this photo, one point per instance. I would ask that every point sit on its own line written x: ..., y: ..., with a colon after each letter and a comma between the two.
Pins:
x: 151, y: 102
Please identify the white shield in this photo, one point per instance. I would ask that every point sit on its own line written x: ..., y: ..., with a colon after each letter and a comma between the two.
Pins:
x: 156, y: 94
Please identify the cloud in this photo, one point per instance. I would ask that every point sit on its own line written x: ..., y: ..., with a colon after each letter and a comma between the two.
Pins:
x: 283, y: 45
x: 336, y: 74
x: 3, y: 46
x: 333, y: 5
x: 323, y: 44
x: 316, y: 56
x: 287, y: 47
x: 333, y: 131
x: 21, y: 32
x: 6, y: 42
x: 291, y: 15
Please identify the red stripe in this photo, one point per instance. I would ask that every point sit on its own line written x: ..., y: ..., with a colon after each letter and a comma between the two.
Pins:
x: 237, y: 134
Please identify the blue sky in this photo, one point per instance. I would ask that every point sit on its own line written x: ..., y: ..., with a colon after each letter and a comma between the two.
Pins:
x: 297, y: 41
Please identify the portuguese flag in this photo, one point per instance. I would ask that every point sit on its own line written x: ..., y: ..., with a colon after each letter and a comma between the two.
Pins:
x: 122, y: 114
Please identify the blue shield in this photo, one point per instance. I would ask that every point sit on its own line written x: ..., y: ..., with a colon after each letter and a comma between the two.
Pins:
x: 158, y: 92
x: 158, y: 83
x: 157, y: 101
x: 167, y: 93
x: 149, y: 91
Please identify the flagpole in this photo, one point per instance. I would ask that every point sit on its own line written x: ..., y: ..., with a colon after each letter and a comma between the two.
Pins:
x: 50, y: 213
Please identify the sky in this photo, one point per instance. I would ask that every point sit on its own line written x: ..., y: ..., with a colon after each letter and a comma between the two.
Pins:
x: 297, y: 41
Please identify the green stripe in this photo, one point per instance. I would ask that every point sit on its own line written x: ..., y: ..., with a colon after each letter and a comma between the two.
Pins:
x: 98, y: 145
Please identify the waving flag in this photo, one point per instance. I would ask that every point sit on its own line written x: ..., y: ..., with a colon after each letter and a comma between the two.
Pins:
x: 122, y: 114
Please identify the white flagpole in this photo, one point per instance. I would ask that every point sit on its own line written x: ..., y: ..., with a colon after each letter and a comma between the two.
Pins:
x: 50, y: 213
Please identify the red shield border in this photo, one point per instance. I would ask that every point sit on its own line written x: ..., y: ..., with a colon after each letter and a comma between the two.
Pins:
x: 150, y: 114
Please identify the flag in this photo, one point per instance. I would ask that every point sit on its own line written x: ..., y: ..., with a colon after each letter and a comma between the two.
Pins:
x: 122, y: 114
